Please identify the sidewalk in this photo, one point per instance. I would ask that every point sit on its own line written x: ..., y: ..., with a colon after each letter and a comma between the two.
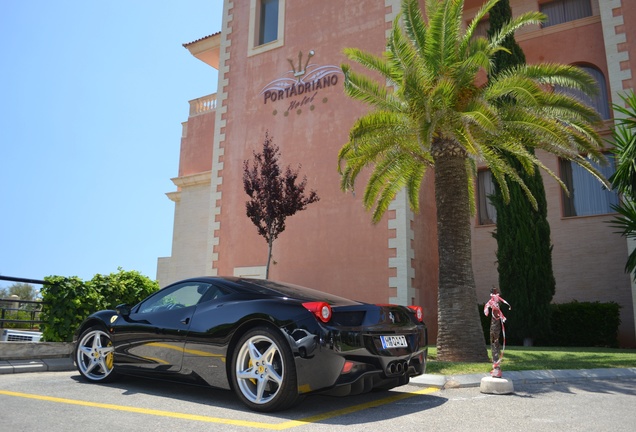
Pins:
x: 426, y: 380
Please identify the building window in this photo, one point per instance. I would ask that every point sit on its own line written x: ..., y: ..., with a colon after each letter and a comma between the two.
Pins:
x: 486, y: 211
x: 267, y: 25
x: 600, y: 101
x: 587, y: 195
x: 562, y: 11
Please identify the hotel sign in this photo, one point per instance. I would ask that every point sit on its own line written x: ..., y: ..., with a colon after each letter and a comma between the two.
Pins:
x: 300, y: 85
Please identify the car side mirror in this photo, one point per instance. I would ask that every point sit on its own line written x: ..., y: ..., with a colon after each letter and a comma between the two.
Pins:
x: 123, y: 310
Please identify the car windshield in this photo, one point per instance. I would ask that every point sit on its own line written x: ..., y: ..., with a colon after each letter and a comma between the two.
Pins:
x: 294, y: 291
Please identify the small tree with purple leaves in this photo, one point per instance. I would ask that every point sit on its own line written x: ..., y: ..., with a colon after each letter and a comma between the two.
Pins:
x: 274, y: 195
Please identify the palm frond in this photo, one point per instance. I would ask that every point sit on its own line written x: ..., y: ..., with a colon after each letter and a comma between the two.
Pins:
x: 401, y: 53
x: 624, y: 142
x: 522, y: 90
x: 369, y: 61
x: 626, y: 222
x: 483, y: 115
x: 367, y: 90
x: 528, y: 18
x: 379, y: 123
x: 567, y: 76
x: 390, y: 175
x: 475, y: 55
x: 628, y: 111
x: 470, y: 29
x: 414, y: 24
x: 444, y: 24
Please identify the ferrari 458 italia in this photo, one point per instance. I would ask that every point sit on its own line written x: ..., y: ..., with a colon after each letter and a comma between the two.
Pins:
x: 272, y: 343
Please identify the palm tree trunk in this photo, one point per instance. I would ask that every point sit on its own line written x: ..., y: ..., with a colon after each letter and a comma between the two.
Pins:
x: 460, y: 336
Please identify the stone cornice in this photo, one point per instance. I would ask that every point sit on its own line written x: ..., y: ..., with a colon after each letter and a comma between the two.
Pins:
x: 193, y: 179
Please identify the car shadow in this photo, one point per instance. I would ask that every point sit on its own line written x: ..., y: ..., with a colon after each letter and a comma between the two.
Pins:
x: 317, y: 408
x: 196, y: 394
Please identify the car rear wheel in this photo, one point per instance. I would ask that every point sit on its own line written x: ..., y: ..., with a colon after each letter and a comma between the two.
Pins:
x: 263, y: 371
x: 94, y: 355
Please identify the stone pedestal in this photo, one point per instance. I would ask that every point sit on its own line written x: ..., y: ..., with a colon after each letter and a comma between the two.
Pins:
x: 498, y: 386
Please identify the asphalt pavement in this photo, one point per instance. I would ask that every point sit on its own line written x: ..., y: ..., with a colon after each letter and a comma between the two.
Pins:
x: 427, y: 380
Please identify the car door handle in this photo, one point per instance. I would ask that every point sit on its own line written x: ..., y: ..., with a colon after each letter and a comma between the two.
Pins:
x: 185, y: 321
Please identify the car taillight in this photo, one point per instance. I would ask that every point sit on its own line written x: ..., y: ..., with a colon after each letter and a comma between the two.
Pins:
x: 321, y: 309
x: 419, y: 314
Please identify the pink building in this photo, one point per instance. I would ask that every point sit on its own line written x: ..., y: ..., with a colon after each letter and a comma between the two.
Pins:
x: 278, y: 63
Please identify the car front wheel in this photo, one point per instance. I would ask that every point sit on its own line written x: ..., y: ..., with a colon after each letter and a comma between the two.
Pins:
x: 263, y: 371
x: 94, y: 355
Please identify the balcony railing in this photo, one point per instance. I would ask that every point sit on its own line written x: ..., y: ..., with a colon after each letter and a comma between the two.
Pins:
x: 202, y: 105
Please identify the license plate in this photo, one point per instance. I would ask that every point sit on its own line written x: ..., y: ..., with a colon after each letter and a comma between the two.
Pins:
x: 393, y: 342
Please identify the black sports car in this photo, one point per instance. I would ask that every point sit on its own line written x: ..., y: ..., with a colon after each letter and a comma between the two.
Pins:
x: 270, y: 342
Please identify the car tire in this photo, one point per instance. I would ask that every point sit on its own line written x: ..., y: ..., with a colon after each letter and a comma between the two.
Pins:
x: 263, y: 371
x: 94, y: 355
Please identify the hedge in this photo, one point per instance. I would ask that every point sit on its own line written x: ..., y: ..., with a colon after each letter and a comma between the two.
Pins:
x: 579, y: 324
x: 67, y: 301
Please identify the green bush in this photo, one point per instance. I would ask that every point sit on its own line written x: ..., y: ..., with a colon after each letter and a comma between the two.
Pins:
x: 122, y: 287
x: 575, y: 324
x: 68, y: 301
x: 584, y: 324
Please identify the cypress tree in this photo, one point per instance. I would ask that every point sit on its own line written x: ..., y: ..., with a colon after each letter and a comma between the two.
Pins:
x: 524, y: 251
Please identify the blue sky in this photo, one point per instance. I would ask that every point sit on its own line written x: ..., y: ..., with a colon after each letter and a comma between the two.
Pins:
x: 92, y: 95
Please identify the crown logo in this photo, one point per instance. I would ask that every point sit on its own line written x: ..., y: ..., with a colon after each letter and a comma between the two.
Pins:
x: 301, y: 70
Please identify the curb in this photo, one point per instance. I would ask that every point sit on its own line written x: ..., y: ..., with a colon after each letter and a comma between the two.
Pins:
x: 42, y: 365
x: 526, y: 377
x: 16, y: 357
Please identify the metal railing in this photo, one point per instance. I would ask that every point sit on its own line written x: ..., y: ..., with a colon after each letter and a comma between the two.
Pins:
x: 24, y: 314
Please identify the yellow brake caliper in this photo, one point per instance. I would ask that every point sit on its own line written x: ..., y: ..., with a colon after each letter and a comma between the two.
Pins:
x: 110, y: 357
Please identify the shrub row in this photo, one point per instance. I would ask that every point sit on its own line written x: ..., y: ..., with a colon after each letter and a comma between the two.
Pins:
x: 67, y: 301
x: 580, y: 324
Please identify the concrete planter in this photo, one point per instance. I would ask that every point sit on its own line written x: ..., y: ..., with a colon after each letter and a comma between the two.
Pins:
x: 35, y: 350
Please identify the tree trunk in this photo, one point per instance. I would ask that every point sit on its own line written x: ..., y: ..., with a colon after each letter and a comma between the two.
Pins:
x: 270, y: 244
x: 460, y: 336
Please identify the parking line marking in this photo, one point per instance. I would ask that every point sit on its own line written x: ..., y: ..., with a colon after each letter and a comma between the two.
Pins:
x: 259, y: 425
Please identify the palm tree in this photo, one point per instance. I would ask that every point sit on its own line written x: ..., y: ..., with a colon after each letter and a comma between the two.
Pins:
x: 624, y: 179
x: 430, y: 111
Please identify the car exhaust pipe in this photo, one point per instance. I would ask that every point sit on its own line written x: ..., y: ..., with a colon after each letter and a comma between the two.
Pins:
x: 397, y: 368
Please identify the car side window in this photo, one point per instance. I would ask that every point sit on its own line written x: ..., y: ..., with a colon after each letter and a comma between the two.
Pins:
x: 175, y: 297
x: 214, y: 292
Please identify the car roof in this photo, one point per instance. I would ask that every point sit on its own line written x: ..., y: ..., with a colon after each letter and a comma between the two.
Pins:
x: 273, y: 289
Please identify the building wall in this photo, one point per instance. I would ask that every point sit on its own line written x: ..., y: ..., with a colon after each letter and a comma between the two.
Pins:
x: 332, y: 245
x: 195, y: 155
x: 190, y: 240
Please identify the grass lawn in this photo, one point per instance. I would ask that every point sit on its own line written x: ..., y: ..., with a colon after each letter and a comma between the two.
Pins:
x: 518, y: 358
